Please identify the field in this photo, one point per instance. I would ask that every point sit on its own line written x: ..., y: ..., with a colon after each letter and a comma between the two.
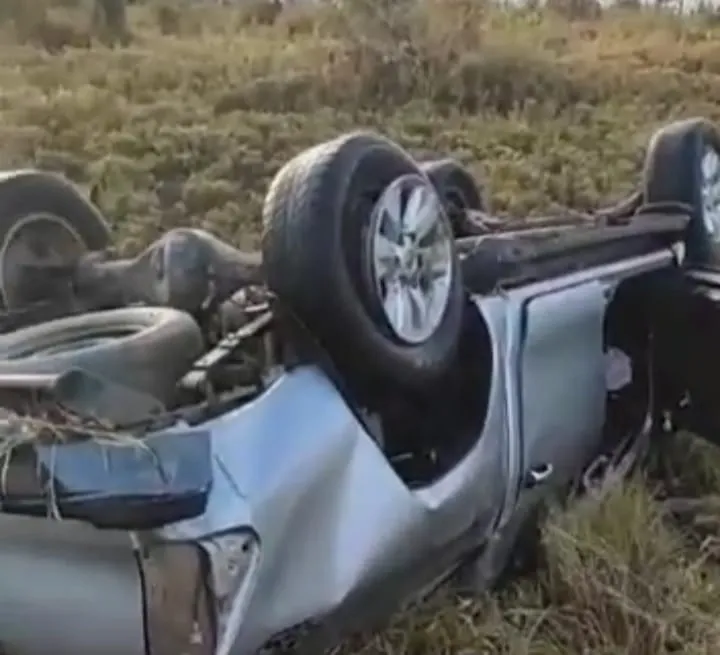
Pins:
x: 186, y: 122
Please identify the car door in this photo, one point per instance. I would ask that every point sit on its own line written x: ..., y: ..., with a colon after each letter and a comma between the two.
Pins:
x: 556, y: 397
x: 562, y: 383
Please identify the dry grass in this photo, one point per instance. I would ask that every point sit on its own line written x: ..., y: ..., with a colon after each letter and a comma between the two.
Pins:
x: 187, y: 122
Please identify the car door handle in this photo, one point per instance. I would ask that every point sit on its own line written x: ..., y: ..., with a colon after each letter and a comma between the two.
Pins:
x: 537, y: 475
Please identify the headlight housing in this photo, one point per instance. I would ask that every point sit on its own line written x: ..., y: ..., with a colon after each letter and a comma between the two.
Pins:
x: 179, y: 609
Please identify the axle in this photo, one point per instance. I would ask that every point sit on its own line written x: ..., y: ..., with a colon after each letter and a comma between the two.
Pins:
x: 186, y: 268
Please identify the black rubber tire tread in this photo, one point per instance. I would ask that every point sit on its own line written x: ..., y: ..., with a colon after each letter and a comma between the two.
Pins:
x: 672, y: 176
x: 315, y: 216
x: 163, y: 345
x: 26, y: 192
x: 450, y: 176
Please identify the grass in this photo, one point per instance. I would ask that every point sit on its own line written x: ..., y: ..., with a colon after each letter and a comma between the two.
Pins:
x: 186, y: 123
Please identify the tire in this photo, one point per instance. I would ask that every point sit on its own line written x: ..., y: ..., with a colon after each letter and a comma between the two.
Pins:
x: 460, y: 192
x: 673, y: 177
x: 155, y: 347
x: 316, y: 219
x: 28, y: 195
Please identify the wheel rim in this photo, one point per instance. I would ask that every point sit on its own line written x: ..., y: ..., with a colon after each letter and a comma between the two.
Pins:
x: 37, y: 240
x: 410, y: 257
x: 710, y: 191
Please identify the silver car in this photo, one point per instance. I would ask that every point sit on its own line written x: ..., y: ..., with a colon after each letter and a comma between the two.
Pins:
x: 267, y: 456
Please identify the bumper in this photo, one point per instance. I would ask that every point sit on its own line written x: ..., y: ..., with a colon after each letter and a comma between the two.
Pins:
x: 68, y: 589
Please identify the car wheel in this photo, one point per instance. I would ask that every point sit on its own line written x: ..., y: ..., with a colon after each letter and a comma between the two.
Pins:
x: 459, y: 192
x: 145, y: 348
x: 358, y: 246
x: 682, y: 168
x: 44, y: 221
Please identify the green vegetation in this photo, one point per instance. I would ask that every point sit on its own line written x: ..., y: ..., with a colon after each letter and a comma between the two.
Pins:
x: 184, y: 119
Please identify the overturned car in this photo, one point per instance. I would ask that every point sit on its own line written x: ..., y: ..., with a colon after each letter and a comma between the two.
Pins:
x: 207, y: 451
